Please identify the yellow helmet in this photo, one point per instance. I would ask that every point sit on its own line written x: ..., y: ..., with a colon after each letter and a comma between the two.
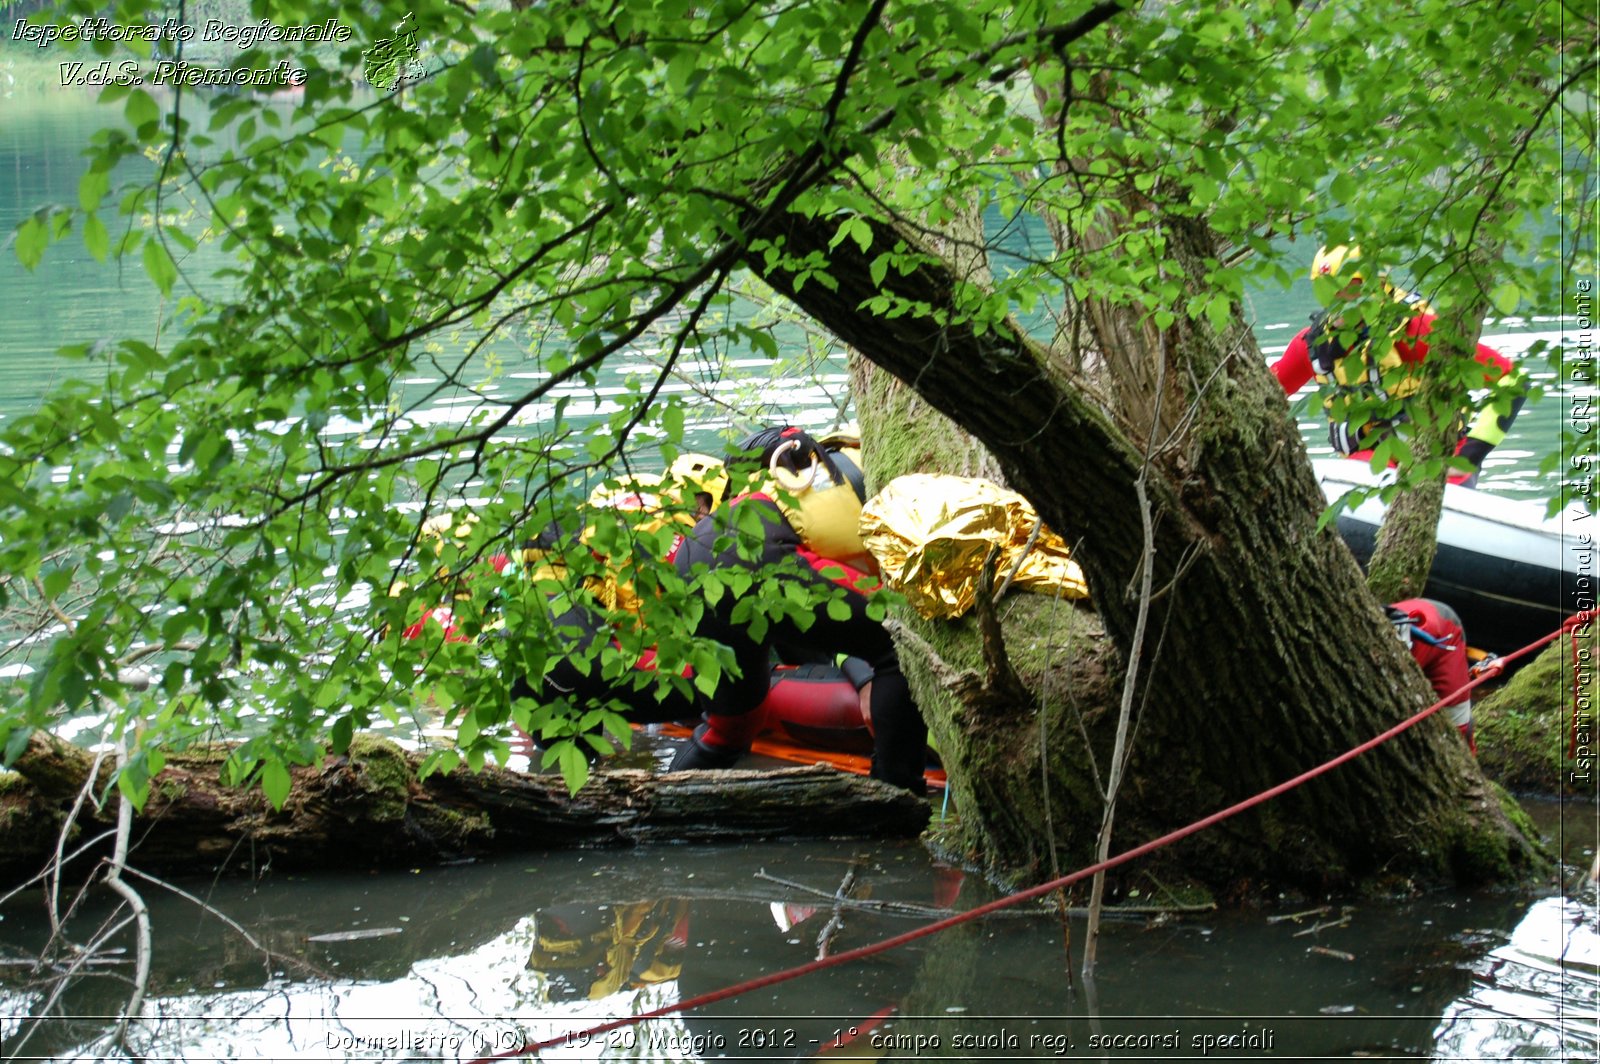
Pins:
x: 1334, y: 274
x: 700, y: 473
x: 1331, y: 262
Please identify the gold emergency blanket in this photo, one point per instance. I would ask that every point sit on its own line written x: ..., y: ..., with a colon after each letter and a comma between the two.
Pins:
x: 931, y: 534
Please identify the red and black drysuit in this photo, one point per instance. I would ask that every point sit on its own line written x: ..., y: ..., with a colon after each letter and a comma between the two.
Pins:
x: 899, y: 745
x: 1432, y: 631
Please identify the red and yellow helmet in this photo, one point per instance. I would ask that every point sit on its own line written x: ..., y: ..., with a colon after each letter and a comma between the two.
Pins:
x: 1335, y: 274
x: 1335, y: 261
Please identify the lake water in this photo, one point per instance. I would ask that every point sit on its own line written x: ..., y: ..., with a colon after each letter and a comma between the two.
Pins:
x: 458, y: 962
x: 71, y: 299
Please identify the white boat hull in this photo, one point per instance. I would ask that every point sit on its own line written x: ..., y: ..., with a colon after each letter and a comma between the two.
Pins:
x: 1513, y: 574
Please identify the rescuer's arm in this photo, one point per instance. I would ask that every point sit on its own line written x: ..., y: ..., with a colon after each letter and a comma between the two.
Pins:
x: 1293, y: 368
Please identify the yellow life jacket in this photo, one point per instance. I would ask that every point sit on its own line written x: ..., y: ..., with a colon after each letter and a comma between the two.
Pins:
x: 1358, y: 370
x: 650, y: 502
x: 1355, y: 372
x: 823, y: 501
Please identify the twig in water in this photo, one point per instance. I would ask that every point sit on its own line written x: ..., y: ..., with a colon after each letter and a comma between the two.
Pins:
x: 1062, y: 909
x: 53, y: 870
x: 908, y: 908
x: 269, y: 957
x: 1297, y: 917
x: 1343, y: 921
x: 141, y: 912
x: 836, y: 920
x: 900, y: 908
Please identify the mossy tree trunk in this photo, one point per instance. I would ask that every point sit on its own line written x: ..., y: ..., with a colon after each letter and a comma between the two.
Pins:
x: 1407, y: 542
x: 1273, y: 656
x: 1014, y: 768
x: 1409, y: 537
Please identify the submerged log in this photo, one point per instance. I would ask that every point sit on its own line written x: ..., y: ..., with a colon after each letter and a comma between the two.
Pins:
x: 368, y: 809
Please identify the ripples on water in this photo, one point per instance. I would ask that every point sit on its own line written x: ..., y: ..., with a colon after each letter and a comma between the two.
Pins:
x: 458, y: 962
x: 1536, y: 996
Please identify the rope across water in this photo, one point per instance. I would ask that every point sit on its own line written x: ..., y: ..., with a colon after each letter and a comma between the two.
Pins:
x: 581, y: 1037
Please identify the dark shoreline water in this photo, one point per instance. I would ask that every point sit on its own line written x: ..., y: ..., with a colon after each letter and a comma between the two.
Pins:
x: 458, y: 962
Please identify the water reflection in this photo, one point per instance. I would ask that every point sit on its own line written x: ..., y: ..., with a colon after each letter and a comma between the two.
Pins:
x: 462, y: 962
x: 586, y: 954
x: 1535, y: 997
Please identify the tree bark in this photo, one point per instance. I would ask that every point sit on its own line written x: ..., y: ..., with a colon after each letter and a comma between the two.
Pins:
x: 368, y: 809
x: 1403, y: 555
x: 1273, y: 655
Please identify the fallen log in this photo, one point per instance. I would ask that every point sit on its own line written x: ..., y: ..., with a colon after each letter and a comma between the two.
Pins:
x: 368, y: 809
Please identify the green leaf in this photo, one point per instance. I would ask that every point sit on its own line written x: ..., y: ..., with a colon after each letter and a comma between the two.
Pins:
x: 861, y: 232
x: 574, y: 766
x: 56, y: 581
x: 439, y: 761
x: 856, y: 228
x: 141, y: 108
x: 1505, y: 296
x: 468, y: 732
x: 707, y: 674
x: 275, y: 782
x: 922, y: 151
x: 16, y: 742
x: 95, y: 237
x: 92, y: 187
x: 118, y: 507
x: 680, y: 68
x: 133, y: 783
x: 33, y: 236
x: 158, y: 264
x: 672, y: 420
x: 341, y: 734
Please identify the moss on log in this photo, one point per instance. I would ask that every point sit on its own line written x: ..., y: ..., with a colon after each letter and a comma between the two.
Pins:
x: 368, y: 809
x: 1525, y: 729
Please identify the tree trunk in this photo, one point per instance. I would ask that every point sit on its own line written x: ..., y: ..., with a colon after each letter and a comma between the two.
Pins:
x: 1409, y: 538
x: 1271, y: 656
x: 368, y: 809
x: 1012, y: 771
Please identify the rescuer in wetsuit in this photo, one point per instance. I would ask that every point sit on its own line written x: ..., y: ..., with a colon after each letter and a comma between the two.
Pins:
x: 803, y: 518
x: 1432, y: 632
x: 1385, y: 369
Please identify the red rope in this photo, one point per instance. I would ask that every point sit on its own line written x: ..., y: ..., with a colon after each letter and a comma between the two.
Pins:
x: 884, y: 945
